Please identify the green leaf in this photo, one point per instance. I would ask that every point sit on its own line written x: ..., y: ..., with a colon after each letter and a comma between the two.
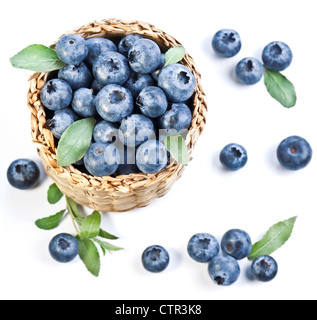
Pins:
x: 73, y: 208
x: 280, y: 88
x: 51, y: 222
x: 177, y: 147
x: 174, y: 55
x: 275, y: 238
x: 37, y: 58
x: 89, y: 254
x: 107, y: 246
x: 75, y: 141
x: 104, y: 234
x: 54, y: 194
x: 90, y: 227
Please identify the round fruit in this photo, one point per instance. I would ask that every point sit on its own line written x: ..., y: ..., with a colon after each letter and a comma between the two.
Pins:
x: 277, y: 56
x: 226, y: 43
x: 64, y: 248
x: 264, y: 268
x: 155, y: 259
x: 249, y: 71
x: 233, y: 157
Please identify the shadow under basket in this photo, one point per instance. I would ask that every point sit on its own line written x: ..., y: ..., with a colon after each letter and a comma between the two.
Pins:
x: 122, y: 193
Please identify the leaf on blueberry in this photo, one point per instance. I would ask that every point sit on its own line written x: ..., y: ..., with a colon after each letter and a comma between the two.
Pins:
x: 280, y: 88
x: 176, y: 145
x: 37, y: 58
x: 75, y: 141
x: 275, y: 238
x: 51, y: 222
x: 174, y: 55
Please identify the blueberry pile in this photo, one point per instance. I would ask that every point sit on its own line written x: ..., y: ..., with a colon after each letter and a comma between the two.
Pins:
x: 135, y: 98
x: 276, y: 56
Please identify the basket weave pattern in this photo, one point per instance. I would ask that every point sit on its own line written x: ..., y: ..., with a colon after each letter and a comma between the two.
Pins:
x: 123, y: 193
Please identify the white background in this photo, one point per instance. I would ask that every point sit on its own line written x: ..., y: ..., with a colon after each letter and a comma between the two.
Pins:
x: 206, y: 198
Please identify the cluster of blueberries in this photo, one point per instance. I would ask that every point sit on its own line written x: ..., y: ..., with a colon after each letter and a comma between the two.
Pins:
x: 276, y: 56
x: 223, y: 268
x: 131, y: 93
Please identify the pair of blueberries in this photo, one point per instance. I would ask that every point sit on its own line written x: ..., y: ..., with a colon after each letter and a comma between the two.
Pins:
x: 223, y: 268
x: 293, y: 153
x: 276, y: 56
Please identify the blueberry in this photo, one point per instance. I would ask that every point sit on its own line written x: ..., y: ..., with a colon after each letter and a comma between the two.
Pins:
x: 144, y: 56
x: 224, y: 270
x: 105, y: 131
x: 114, y: 103
x: 277, y: 56
x: 233, y: 157
x: 128, y: 165
x: 177, y: 119
x: 111, y: 68
x: 102, y: 159
x: 177, y: 82
x: 72, y: 49
x: 226, y: 43
x: 76, y: 76
x: 202, y: 247
x: 249, y: 71
x: 151, y: 157
x: 137, y: 82
x: 23, y: 174
x: 152, y: 102
x: 127, y: 42
x: 135, y: 130
x: 84, y: 102
x: 97, y: 47
x: 264, y: 268
x: 56, y: 94
x: 155, y: 259
x: 294, y: 153
x: 64, y: 248
x: 61, y: 120
x: 237, y: 244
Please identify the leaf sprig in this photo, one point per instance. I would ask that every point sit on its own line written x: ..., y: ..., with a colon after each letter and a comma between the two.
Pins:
x: 88, y: 230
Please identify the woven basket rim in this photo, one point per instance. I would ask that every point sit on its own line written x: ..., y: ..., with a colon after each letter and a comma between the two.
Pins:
x: 44, y: 140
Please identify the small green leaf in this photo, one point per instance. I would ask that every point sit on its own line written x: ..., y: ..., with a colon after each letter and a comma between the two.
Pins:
x: 89, y: 254
x: 73, y: 208
x: 37, y: 58
x: 280, y: 88
x: 51, y: 222
x: 104, y: 234
x: 275, y: 238
x: 174, y: 55
x: 54, y: 194
x: 177, y: 147
x: 75, y: 141
x: 90, y: 227
x: 107, y: 246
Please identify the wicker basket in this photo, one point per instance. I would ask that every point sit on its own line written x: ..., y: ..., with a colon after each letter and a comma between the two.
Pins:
x: 123, y: 193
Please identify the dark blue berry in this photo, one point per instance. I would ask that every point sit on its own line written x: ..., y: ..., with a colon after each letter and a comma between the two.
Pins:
x: 226, y: 43
x: 233, y: 157
x: 64, y: 248
x: 155, y: 259
x: 249, y: 71
x: 264, y: 268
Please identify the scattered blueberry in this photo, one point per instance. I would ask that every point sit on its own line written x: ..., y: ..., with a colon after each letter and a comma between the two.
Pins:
x: 135, y: 130
x: 76, y: 76
x: 64, y: 248
x: 226, y: 43
x: 249, y: 71
x: 61, y: 120
x: 277, y: 56
x: 177, y: 119
x: 294, y: 153
x: 224, y: 270
x: 144, y: 56
x: 114, y: 103
x: 56, y: 94
x: 72, y: 49
x: 23, y: 174
x: 84, y: 102
x: 152, y: 102
x: 237, y: 244
x: 177, y: 82
x: 155, y: 259
x: 264, y: 268
x: 127, y: 42
x: 202, y: 247
x: 233, y: 157
x: 137, y: 82
x: 96, y: 47
x: 151, y: 157
x: 111, y: 68
x: 105, y: 131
